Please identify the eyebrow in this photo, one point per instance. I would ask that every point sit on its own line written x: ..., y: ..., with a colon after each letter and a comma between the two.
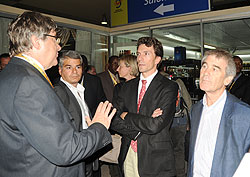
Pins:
x: 217, y: 67
x: 71, y: 65
x: 212, y: 65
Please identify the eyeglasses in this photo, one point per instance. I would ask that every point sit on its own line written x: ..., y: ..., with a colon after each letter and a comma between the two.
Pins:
x: 58, y: 40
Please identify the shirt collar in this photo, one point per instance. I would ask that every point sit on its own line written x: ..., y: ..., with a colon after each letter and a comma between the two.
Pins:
x: 79, y: 87
x: 149, y: 78
x: 34, y: 60
x: 221, y: 99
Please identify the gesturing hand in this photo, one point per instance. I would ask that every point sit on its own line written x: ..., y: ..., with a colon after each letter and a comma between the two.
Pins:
x: 102, y: 114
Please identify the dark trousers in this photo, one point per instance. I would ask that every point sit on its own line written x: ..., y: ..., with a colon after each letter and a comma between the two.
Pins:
x: 178, y: 137
x: 114, y: 169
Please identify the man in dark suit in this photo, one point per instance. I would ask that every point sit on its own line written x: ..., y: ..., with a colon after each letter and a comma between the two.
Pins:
x: 241, y: 83
x: 109, y: 78
x: 38, y: 135
x: 72, y: 93
x: 220, y: 122
x: 94, y: 93
x: 144, y: 121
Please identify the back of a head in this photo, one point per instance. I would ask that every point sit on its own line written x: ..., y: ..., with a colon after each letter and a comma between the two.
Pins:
x: 151, y: 41
x: 26, y: 25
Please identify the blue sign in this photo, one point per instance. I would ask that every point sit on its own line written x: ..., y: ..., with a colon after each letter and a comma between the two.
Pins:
x: 140, y: 10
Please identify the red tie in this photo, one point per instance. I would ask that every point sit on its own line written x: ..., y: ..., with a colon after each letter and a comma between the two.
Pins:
x: 142, y: 92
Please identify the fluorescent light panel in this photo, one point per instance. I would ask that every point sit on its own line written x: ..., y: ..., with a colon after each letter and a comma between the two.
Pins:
x: 175, y: 37
x: 244, y: 56
x: 209, y: 46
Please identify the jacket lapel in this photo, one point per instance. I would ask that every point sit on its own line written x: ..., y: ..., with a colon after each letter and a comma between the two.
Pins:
x: 195, y: 122
x: 134, y: 95
x: 73, y: 101
x: 152, y: 88
x: 223, y: 134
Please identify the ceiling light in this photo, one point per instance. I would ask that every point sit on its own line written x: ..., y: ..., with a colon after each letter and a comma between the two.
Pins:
x: 104, y: 20
x: 104, y: 49
x: 175, y: 37
x: 209, y: 46
x: 99, y: 43
x: 168, y: 48
x: 244, y: 56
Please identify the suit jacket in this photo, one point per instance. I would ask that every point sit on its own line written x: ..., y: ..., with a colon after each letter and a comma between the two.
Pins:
x: 93, y: 93
x: 233, y: 139
x: 240, y: 88
x: 154, y: 149
x: 70, y: 102
x: 37, y: 134
x: 107, y: 84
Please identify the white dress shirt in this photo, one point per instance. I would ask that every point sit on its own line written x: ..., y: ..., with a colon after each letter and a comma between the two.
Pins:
x: 207, y: 135
x: 78, y: 92
x: 148, y: 79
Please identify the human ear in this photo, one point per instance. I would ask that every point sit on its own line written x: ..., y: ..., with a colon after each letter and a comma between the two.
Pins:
x: 60, y: 70
x: 157, y: 60
x: 228, y: 80
x: 36, y: 42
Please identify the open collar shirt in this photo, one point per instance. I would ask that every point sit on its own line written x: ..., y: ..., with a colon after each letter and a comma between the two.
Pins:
x: 78, y: 92
x: 207, y: 135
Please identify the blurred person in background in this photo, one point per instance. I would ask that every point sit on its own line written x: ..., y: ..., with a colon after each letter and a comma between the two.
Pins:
x: 240, y: 85
x: 4, y: 60
x: 91, y: 69
x: 109, y: 77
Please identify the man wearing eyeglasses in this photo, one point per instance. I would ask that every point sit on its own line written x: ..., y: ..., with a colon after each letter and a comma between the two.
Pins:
x: 38, y: 135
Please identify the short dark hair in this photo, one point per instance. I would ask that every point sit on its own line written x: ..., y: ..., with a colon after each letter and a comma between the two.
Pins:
x: 237, y: 57
x: 151, y: 41
x: 112, y: 58
x: 4, y: 55
x: 84, y: 62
